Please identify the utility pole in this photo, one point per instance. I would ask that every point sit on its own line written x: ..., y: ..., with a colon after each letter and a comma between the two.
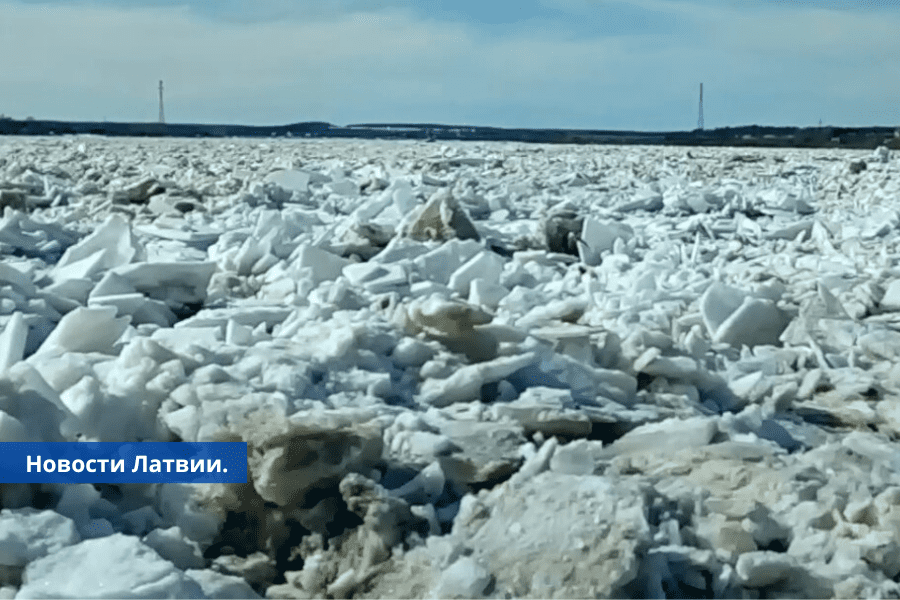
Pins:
x: 700, y: 119
x: 162, y: 118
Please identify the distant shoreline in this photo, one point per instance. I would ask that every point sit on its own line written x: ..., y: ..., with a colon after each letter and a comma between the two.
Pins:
x: 752, y: 135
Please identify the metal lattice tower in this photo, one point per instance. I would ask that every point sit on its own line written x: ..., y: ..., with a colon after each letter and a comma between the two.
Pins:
x: 162, y: 117
x: 700, y: 119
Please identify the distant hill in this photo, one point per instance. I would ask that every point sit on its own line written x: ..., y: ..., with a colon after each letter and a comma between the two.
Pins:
x: 751, y: 135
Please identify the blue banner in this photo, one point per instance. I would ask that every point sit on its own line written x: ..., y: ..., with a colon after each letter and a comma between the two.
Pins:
x: 114, y: 462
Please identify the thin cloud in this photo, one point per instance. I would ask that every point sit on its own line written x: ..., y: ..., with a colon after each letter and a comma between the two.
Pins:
x: 787, y: 64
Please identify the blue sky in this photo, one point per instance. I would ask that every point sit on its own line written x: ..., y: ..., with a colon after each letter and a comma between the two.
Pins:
x: 628, y: 64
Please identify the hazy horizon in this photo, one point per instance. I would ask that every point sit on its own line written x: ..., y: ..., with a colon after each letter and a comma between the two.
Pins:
x: 574, y: 64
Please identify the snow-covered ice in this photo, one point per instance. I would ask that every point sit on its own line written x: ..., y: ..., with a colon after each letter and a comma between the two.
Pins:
x: 462, y: 370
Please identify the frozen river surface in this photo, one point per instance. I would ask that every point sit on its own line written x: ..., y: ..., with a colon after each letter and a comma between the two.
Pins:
x: 462, y: 370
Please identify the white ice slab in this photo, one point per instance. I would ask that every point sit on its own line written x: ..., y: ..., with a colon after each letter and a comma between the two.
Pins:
x: 290, y: 179
x: 485, y: 265
x: 112, y: 567
x: 20, y: 281
x: 174, y: 283
x: 891, y: 299
x: 28, y: 534
x: 599, y: 236
x: 485, y: 293
x: 755, y: 322
x: 325, y: 266
x: 438, y: 264
x: 12, y: 341
x: 464, y: 385
x: 140, y: 308
x: 86, y: 330
x: 113, y: 238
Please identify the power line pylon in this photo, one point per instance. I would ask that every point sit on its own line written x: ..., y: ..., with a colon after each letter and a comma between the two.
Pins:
x: 700, y: 119
x: 162, y: 117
